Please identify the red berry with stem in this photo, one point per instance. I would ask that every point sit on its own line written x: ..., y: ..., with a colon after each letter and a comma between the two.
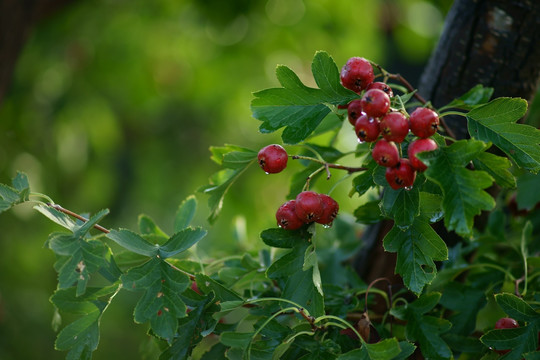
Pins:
x: 385, y: 153
x: 424, y: 122
x: 272, y: 158
x: 401, y: 176
x: 331, y: 209
x: 354, y: 111
x: 417, y: 146
x: 357, y: 74
x: 286, y: 216
x: 375, y: 103
x: 394, y: 127
x: 381, y: 86
x: 309, y: 206
x: 367, y: 128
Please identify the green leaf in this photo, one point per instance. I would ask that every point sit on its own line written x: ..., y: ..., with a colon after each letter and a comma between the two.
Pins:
x: 516, y: 307
x: 14, y: 195
x: 296, y: 107
x: 527, y: 191
x: 133, y: 242
x: 185, y: 213
x: 475, y: 96
x: 425, y: 329
x: 369, y: 213
x: 207, y: 284
x: 496, y: 122
x: 81, y: 337
x: 363, y: 182
x: 497, y: 167
x: 416, y: 247
x: 181, y: 241
x: 401, y: 205
x: 464, y: 197
x: 431, y: 206
x: 386, y: 349
x: 147, y: 226
x: 236, y: 339
x: 519, y: 340
x: 465, y: 301
x: 67, y: 300
x: 282, y: 238
x: 56, y: 216
x: 161, y: 303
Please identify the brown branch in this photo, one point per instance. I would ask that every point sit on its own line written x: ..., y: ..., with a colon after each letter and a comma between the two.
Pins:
x: 77, y: 216
x: 349, y: 169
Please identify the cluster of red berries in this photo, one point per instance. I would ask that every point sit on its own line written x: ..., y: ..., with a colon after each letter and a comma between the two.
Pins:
x: 308, y: 206
x: 373, y: 117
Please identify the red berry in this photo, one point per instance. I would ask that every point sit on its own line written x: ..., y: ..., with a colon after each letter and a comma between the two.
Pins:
x: 272, y: 158
x: 424, y: 122
x: 286, y: 216
x: 357, y: 74
x: 385, y: 153
x: 309, y: 206
x: 331, y: 208
x: 401, y: 176
x: 381, y: 86
x: 195, y: 288
x: 394, y: 127
x: 354, y: 111
x: 367, y: 128
x: 506, y: 323
x: 375, y: 103
x: 420, y: 145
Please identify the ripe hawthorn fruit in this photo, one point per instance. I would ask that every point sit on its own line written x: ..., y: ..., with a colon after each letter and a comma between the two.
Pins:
x: 367, y: 128
x: 354, y: 111
x: 375, y: 103
x: 505, y: 323
x: 272, y: 158
x: 394, y: 126
x: 286, y: 216
x: 385, y: 153
x: 420, y: 145
x: 331, y: 208
x: 309, y: 206
x: 401, y: 176
x: 357, y: 74
x: 381, y: 86
x: 424, y: 122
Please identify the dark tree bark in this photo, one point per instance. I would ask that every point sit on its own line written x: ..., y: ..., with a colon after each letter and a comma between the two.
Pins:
x: 488, y: 42
x: 17, y: 18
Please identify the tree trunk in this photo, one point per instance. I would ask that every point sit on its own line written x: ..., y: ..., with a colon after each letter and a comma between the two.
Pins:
x: 488, y: 42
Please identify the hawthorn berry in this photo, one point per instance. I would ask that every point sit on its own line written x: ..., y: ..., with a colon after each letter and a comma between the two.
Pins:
x: 394, y: 126
x: 330, y: 210
x: 357, y: 74
x: 385, y: 153
x: 272, y: 158
x: 309, y: 206
x: 401, y: 176
x: 424, y: 122
x: 420, y: 145
x: 354, y: 111
x: 375, y: 103
x: 367, y: 128
x: 381, y: 86
x: 286, y: 216
x: 505, y: 323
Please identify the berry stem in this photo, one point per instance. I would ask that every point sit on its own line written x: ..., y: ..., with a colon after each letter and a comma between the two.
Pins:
x: 349, y: 169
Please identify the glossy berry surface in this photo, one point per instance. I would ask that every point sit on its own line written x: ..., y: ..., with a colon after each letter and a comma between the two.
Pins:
x: 381, y: 86
x: 424, y: 122
x: 272, y: 158
x: 330, y: 210
x: 385, y: 153
x: 417, y: 146
x: 394, y: 127
x: 286, y: 216
x: 375, y: 103
x: 357, y: 74
x: 354, y: 111
x: 367, y: 128
x: 506, y: 323
x: 401, y: 176
x: 309, y: 206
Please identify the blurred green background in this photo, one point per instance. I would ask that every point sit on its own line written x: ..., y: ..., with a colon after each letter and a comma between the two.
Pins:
x: 114, y: 104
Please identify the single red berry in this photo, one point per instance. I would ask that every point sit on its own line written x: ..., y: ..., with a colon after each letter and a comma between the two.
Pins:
x: 331, y: 208
x: 354, y: 111
x: 385, y: 153
x: 375, y: 103
x: 424, y: 122
x: 381, y: 86
x: 367, y: 128
x: 394, y: 127
x: 417, y: 146
x: 286, y: 216
x: 401, y: 176
x: 357, y: 74
x: 272, y: 158
x: 506, y: 323
x: 195, y: 288
x: 309, y: 206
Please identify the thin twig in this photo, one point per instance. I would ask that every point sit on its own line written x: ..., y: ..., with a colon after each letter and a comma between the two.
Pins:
x: 77, y: 216
x: 349, y: 169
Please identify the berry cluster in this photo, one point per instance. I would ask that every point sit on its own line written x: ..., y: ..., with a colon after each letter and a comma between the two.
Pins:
x: 308, y: 207
x: 372, y: 117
